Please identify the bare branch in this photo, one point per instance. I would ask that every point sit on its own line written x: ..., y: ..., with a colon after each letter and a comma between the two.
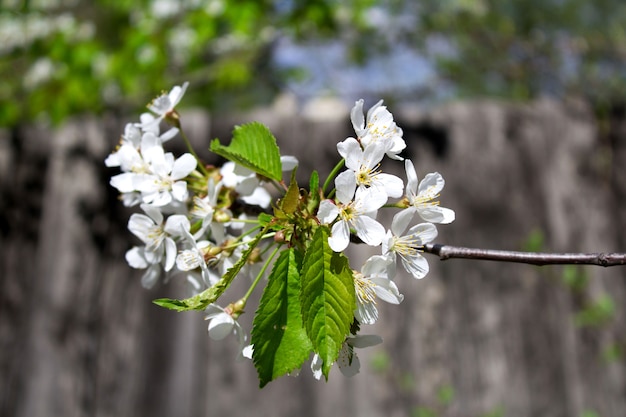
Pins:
x: 535, y: 258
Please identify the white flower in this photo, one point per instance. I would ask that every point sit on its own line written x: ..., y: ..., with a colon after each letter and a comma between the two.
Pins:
x: 165, y: 104
x: 131, y: 137
x: 374, y: 281
x: 222, y: 323
x: 246, y: 183
x: 159, y: 188
x: 422, y: 198
x: 288, y: 162
x: 316, y: 366
x: 204, y: 208
x: 363, y: 170
x: 158, y: 236
x: 134, y: 138
x: 134, y: 163
x: 194, y: 258
x: 379, y: 127
x: 348, y: 361
x: 408, y: 246
x: 140, y: 258
x: 358, y: 214
x: 229, y: 256
x: 149, y: 124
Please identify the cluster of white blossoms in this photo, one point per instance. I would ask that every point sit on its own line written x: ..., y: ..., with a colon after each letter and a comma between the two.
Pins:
x: 196, y: 220
x: 183, y: 227
x: 361, y: 190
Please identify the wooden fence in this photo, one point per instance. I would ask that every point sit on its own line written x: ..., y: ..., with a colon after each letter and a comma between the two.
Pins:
x: 79, y: 336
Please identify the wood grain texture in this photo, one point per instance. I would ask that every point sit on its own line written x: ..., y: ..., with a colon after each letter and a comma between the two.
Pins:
x: 79, y: 336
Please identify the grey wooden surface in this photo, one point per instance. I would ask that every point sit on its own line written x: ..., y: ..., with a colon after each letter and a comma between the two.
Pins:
x: 79, y: 336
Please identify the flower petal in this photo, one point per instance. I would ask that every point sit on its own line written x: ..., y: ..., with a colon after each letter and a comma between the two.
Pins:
x: 369, y: 200
x: 288, y: 162
x: 436, y: 214
x: 390, y: 184
x: 154, y: 213
x: 124, y: 182
x: 350, y: 150
x: 170, y: 254
x: 179, y: 190
x: 387, y: 290
x: 357, y: 118
x: 340, y: 236
x: 376, y: 266
x: 183, y: 166
x: 345, y: 184
x: 220, y: 326
x: 140, y: 225
x: 151, y: 276
x: 431, y: 185
x: 364, y: 340
x: 401, y: 220
x: 327, y: 212
x: 366, y: 313
x: 316, y: 366
x: 136, y: 258
x: 423, y: 232
x: 416, y: 265
x: 348, y: 362
x: 369, y: 230
x: 259, y: 197
x: 411, y: 179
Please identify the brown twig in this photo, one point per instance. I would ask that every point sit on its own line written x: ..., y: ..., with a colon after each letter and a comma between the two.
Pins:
x: 535, y: 258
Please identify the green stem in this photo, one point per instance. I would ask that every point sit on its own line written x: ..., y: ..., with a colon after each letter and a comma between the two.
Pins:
x: 399, y: 205
x: 192, y: 151
x: 260, y: 275
x: 278, y: 187
x: 333, y: 174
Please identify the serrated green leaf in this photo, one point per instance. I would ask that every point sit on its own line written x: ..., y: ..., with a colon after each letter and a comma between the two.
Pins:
x: 314, y: 181
x: 292, y: 196
x: 314, y: 194
x: 254, y: 147
x: 210, y: 295
x: 327, y: 297
x: 280, y: 342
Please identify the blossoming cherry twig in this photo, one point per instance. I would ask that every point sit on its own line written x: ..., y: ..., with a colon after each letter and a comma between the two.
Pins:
x: 195, y: 224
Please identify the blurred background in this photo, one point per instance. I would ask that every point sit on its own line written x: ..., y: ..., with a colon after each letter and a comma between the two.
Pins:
x: 519, y: 104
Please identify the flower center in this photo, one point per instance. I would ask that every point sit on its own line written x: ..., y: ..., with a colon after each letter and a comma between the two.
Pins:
x: 164, y: 183
x: 365, y: 176
x: 406, y: 245
x: 155, y: 237
x: 347, y: 213
x: 426, y: 198
x: 364, y: 289
x: 189, y: 259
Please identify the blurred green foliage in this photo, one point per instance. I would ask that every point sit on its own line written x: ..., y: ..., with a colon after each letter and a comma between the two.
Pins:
x: 521, y: 49
x: 597, y: 313
x: 62, y: 57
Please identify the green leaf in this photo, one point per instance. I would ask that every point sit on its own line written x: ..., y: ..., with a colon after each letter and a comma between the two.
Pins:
x: 314, y: 192
x: 210, y: 295
x: 314, y: 181
x: 280, y: 342
x: 328, y: 299
x: 292, y: 196
x: 254, y: 147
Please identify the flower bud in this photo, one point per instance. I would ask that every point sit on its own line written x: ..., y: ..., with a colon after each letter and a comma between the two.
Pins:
x: 279, y: 237
x: 222, y: 216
